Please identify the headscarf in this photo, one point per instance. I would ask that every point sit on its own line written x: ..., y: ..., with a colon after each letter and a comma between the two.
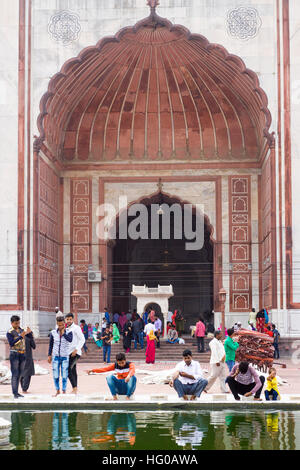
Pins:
x: 122, y: 319
x: 116, y: 333
x: 151, y: 335
x: 151, y: 316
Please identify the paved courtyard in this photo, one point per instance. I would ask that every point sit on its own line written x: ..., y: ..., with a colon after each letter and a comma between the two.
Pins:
x: 90, y: 386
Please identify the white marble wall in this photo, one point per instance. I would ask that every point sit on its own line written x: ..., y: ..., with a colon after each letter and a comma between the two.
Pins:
x: 100, y: 18
x: 295, y: 133
x: 9, y: 50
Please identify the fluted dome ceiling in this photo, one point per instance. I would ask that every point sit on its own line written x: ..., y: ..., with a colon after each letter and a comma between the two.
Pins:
x: 157, y: 92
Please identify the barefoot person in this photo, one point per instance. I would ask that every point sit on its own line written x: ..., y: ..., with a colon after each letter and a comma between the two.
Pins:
x: 124, y: 380
x: 59, y: 351
x: 76, y: 346
x: 16, y: 339
x: 188, y: 378
x: 217, y: 362
x: 244, y: 380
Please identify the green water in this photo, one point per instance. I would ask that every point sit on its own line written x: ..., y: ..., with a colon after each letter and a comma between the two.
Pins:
x: 154, y: 430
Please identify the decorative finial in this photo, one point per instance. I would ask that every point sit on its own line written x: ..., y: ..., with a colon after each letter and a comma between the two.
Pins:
x: 160, y: 185
x: 153, y: 4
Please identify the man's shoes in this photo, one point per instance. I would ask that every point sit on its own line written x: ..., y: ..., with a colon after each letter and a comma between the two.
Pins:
x: 18, y: 395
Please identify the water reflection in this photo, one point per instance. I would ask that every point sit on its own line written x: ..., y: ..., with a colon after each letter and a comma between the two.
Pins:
x: 121, y: 427
x: 189, y: 430
x: 155, y: 430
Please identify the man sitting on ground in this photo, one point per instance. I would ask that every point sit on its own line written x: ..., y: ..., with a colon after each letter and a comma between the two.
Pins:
x: 188, y: 378
x: 124, y: 382
x: 244, y: 380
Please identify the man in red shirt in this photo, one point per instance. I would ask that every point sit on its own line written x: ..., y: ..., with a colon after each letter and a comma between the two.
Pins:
x: 124, y: 382
x: 200, y: 334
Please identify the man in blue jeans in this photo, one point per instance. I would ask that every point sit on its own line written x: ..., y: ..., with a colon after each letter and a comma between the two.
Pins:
x: 107, y: 339
x: 124, y: 382
x: 138, y: 332
x: 16, y: 340
x: 59, y: 352
x: 188, y: 378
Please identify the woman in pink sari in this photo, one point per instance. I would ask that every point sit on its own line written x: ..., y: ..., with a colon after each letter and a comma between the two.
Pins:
x: 150, y: 350
x: 122, y: 321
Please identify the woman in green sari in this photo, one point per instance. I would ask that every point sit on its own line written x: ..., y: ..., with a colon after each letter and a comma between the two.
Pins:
x: 116, y: 334
x: 97, y: 335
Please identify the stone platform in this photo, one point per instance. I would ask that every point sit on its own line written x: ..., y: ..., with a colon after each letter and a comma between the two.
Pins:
x: 93, y: 392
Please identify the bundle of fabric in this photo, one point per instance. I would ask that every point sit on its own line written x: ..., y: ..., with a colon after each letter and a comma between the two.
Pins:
x: 255, y: 347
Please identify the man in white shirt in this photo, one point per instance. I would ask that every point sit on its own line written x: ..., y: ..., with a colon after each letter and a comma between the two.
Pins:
x: 217, y: 362
x: 75, y: 349
x: 188, y: 378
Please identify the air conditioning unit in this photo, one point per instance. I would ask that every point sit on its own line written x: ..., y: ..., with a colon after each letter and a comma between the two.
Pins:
x: 94, y: 276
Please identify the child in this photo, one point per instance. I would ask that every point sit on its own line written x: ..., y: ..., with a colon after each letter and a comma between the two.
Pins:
x: 272, y: 388
x: 106, y: 338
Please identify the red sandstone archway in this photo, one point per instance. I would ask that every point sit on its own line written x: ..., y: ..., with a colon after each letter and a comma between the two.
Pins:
x: 154, y: 94
x: 154, y: 91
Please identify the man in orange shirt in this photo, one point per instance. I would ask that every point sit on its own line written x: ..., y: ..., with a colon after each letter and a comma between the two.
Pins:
x: 124, y: 382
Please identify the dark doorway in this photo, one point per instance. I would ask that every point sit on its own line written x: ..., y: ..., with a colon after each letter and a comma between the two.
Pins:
x: 165, y: 261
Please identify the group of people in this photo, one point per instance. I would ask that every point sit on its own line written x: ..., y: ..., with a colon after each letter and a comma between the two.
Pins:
x: 134, y: 329
x: 65, y: 348
x: 259, y: 319
x: 68, y: 339
x: 188, y: 379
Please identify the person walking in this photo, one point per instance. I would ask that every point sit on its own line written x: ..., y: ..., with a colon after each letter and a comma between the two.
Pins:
x: 158, y: 329
x: 124, y: 382
x: 116, y: 334
x: 188, y: 378
x: 16, y: 340
x: 85, y: 331
x: 151, y: 338
x: 127, y: 336
x: 29, y: 364
x: 230, y: 347
x: 145, y: 317
x: 122, y: 322
x: 260, y: 321
x: 58, y: 354
x: 200, y: 335
x: 138, y: 332
x: 116, y: 317
x: 179, y: 322
x: 78, y: 340
x: 276, y: 336
x: 244, y: 380
x: 107, y: 339
x: 217, y: 362
x: 106, y: 315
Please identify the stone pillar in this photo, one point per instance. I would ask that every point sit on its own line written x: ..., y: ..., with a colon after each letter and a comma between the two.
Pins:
x: 165, y: 315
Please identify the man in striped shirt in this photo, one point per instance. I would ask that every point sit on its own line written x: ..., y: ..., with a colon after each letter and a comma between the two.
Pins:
x: 123, y: 382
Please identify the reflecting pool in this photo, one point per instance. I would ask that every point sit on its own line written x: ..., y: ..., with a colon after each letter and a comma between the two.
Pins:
x: 155, y: 430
